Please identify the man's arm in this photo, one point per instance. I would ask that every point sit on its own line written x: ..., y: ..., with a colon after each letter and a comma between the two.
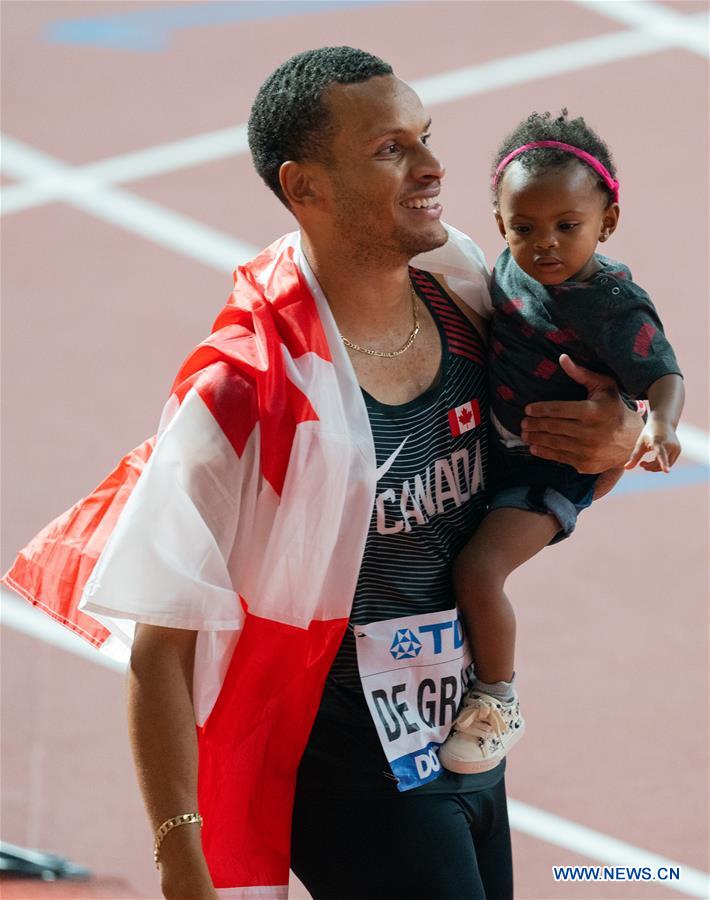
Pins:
x: 593, y: 435
x: 162, y: 731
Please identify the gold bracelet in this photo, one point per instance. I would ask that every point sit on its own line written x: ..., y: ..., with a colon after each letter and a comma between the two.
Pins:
x: 168, y: 825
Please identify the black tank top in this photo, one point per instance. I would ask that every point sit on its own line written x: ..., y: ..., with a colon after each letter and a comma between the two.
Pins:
x: 431, y: 456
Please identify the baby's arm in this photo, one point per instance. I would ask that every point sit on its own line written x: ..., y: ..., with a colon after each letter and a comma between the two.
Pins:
x: 665, y: 398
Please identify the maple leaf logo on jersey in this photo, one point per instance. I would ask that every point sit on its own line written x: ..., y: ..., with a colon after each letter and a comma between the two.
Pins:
x: 464, y: 418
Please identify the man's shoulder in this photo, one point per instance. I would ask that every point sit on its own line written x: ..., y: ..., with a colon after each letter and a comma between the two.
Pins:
x: 469, y: 310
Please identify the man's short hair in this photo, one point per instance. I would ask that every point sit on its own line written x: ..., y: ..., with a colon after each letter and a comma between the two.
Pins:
x: 290, y: 120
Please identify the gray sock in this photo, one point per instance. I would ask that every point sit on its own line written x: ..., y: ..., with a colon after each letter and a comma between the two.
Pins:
x: 501, y: 690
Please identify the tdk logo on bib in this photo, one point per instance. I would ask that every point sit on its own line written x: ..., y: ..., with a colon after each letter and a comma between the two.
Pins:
x: 405, y: 645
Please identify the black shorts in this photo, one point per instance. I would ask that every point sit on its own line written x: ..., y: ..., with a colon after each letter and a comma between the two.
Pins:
x: 356, y: 837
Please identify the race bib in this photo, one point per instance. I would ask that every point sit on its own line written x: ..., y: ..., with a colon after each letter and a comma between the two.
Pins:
x: 414, y: 672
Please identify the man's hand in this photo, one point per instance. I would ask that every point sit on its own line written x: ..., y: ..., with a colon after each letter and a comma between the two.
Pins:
x: 593, y: 435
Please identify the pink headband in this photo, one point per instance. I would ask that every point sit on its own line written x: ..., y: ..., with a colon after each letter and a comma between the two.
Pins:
x: 590, y: 160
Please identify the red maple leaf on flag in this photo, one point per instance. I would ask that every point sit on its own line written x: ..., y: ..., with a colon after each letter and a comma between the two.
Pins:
x: 465, y: 416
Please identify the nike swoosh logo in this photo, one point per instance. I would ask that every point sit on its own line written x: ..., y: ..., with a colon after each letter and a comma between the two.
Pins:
x: 389, y: 462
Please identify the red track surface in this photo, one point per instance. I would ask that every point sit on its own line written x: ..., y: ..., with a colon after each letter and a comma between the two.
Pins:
x: 613, y: 624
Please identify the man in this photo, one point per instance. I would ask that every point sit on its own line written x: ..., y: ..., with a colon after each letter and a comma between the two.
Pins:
x: 327, y: 442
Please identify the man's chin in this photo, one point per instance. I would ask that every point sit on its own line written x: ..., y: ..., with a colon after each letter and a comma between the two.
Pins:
x: 423, y: 240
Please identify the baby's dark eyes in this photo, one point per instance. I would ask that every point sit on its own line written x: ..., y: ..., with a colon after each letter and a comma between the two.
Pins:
x: 527, y: 229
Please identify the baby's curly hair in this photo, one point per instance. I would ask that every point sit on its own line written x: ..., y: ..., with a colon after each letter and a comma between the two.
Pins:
x: 542, y: 127
x: 289, y: 118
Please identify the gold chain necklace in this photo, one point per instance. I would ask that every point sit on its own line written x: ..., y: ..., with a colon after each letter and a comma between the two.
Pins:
x: 391, y: 353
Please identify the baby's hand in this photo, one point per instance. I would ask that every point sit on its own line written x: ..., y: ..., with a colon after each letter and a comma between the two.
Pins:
x: 658, y: 437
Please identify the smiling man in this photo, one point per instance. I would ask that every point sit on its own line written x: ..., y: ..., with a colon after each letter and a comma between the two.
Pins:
x: 287, y: 541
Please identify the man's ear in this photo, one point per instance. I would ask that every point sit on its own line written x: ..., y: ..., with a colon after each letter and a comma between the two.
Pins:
x: 610, y: 220
x: 501, y: 226
x: 300, y: 184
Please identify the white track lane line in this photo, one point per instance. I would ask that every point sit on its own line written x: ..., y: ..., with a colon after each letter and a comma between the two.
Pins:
x: 683, y: 30
x: 607, y: 850
x: 546, y: 62
x: 695, y: 443
x: 47, y: 186
x: 134, y: 214
x: 20, y: 616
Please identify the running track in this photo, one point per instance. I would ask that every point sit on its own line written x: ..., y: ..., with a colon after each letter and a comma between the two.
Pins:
x: 127, y: 199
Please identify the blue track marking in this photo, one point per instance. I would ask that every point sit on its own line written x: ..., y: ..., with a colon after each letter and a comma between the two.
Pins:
x: 637, y: 482
x: 150, y: 30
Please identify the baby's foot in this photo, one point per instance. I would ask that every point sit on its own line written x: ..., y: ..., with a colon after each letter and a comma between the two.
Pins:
x: 482, y: 734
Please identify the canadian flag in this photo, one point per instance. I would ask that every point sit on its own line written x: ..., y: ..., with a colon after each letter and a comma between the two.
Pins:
x: 464, y: 418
